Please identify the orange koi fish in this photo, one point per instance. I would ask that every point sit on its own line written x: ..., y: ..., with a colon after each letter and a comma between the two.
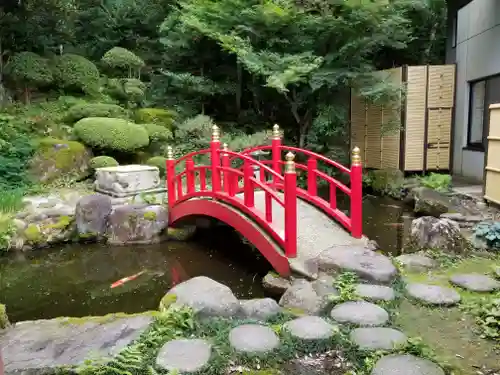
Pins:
x: 126, y: 279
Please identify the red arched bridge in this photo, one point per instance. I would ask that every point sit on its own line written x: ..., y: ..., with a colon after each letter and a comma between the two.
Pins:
x: 289, y: 225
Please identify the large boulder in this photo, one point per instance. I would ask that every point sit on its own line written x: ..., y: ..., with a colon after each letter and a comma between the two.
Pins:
x: 56, y: 158
x: 137, y: 224
x: 430, y: 202
x: 205, y: 296
x: 428, y: 232
x: 92, y: 212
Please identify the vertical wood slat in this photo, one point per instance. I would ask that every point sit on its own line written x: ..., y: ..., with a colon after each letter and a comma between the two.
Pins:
x: 492, y: 180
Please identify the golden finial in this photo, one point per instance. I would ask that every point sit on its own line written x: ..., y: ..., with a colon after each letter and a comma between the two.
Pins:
x: 290, y: 163
x: 170, y: 153
x: 215, y: 133
x: 225, y: 147
x: 276, y: 131
x: 356, y: 157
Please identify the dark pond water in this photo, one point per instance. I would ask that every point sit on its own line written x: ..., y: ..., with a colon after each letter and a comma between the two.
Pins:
x: 75, y: 280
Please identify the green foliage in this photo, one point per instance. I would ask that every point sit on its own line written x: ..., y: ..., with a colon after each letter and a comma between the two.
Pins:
x: 489, y: 232
x: 79, y: 111
x: 16, y: 149
x: 345, y: 283
x: 29, y: 68
x: 102, y: 161
x: 437, y: 181
x: 160, y: 162
x: 122, y: 58
x: 194, y: 134
x: 158, y: 133
x: 11, y: 201
x: 76, y: 73
x: 129, y: 91
x: 111, y: 134
x: 4, y: 320
x: 159, y: 116
x: 487, y: 313
x: 385, y: 182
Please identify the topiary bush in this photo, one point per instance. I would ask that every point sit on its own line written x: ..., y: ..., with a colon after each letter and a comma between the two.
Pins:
x: 111, y: 134
x: 79, y: 111
x: 158, y: 133
x: 74, y: 72
x: 160, y: 162
x: 129, y: 91
x: 123, y: 59
x: 29, y: 69
x: 102, y: 162
x: 159, y: 116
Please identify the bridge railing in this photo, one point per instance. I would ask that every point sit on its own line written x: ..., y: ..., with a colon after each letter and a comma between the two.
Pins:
x: 226, y: 182
x: 353, y: 222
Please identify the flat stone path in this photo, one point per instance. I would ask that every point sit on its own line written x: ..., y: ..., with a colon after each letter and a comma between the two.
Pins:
x: 41, y: 346
x: 184, y: 355
x: 375, y: 292
x: 310, y: 328
x: 360, y: 313
x: 475, y: 282
x: 433, y: 294
x: 405, y: 364
x: 378, y: 338
x: 253, y: 338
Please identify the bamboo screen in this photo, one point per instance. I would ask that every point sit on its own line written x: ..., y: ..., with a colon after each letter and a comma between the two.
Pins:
x: 425, y: 118
x: 492, y: 180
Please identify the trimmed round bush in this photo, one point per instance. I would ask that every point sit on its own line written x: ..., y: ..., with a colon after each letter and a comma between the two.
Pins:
x: 102, y: 162
x: 79, y: 111
x: 160, y: 162
x: 29, y: 68
x: 158, y: 133
x: 111, y: 133
x: 118, y: 57
x: 155, y: 115
x: 75, y: 72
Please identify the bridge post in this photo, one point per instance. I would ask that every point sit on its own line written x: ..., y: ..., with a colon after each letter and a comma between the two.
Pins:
x: 215, y: 159
x: 290, y: 193
x: 170, y: 176
x: 356, y: 194
x: 226, y: 163
x: 276, y: 151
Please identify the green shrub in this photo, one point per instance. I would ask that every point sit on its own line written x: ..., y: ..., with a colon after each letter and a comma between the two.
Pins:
x: 437, y: 181
x: 29, y: 68
x: 158, y: 133
x: 121, y: 58
x: 74, y: 72
x: 111, y: 133
x: 155, y: 115
x: 126, y: 90
x: 102, y: 162
x: 16, y: 149
x: 489, y: 232
x: 79, y: 111
x: 160, y: 162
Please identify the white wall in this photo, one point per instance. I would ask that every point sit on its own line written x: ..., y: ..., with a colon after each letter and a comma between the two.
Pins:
x: 477, y: 56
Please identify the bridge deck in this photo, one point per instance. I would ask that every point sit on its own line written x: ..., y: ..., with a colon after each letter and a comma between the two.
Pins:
x: 316, y: 232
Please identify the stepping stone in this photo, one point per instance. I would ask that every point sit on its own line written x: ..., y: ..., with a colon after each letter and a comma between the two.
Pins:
x: 253, y: 338
x: 405, y: 364
x: 416, y: 262
x: 310, y: 328
x: 360, y: 313
x: 378, y: 338
x: 475, y: 282
x: 365, y: 263
x: 184, y: 355
x: 375, y: 292
x: 433, y: 294
x: 260, y: 308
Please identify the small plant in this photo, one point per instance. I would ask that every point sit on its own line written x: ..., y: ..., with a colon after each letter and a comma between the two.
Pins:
x: 489, y: 232
x: 487, y: 313
x: 437, y: 181
x: 102, y: 162
x: 346, y: 285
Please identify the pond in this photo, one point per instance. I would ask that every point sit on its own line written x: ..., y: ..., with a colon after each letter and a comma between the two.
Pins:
x: 75, y: 280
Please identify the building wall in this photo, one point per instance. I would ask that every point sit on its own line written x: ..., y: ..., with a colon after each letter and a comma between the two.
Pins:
x: 477, y: 54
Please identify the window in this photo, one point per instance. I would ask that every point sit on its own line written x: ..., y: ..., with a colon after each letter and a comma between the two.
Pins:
x: 454, y: 32
x: 476, y: 114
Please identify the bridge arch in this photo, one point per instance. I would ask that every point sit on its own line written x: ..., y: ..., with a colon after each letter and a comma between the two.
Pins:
x: 240, y: 222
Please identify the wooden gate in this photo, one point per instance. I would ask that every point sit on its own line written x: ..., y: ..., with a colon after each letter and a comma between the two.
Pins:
x: 421, y: 141
x: 492, y: 170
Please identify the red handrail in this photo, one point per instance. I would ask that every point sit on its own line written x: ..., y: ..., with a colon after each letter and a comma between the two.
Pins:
x: 225, y: 185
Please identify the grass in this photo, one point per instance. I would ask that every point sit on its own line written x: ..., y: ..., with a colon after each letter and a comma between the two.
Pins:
x: 11, y: 201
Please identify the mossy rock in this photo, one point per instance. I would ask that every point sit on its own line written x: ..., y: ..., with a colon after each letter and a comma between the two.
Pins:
x: 168, y: 300
x: 4, y: 320
x: 181, y: 234
x: 102, y: 162
x: 52, y: 230
x: 385, y: 181
x: 56, y: 158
